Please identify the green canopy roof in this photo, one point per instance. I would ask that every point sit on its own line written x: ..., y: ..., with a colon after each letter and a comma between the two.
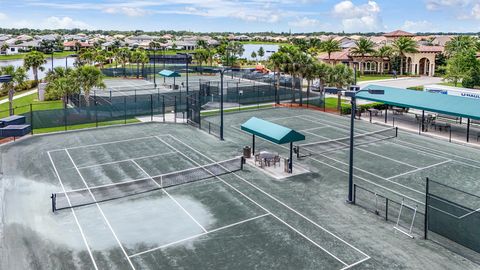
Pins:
x: 169, y: 73
x: 432, y: 102
x: 271, y: 131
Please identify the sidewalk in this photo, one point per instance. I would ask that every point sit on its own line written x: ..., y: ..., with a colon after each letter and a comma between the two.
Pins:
x: 33, y: 91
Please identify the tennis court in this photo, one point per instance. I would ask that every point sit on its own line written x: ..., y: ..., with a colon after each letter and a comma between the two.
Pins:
x: 201, y: 210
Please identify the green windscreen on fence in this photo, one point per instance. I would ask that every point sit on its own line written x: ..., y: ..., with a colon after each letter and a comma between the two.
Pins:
x: 454, y: 214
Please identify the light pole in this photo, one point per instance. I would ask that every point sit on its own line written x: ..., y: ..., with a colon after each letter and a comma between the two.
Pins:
x: 163, y: 50
x: 154, y: 67
x: 352, y: 93
x: 222, y: 71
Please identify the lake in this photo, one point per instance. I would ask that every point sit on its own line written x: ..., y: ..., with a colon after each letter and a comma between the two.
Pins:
x: 268, y: 48
x: 57, y: 62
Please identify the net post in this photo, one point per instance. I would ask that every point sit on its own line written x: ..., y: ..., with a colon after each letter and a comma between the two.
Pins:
x: 425, y: 222
x: 386, y: 208
x: 175, y: 108
x: 163, y: 108
x: 31, y: 118
x: 65, y: 115
x: 370, y: 112
x: 54, y: 202
x: 151, y: 108
x: 96, y: 110
x: 242, y: 162
x: 396, y: 132
x: 125, y: 109
x: 354, y: 193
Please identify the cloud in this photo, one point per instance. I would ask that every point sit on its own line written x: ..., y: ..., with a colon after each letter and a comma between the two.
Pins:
x: 438, y: 4
x: 3, y: 16
x: 364, y: 17
x: 418, y: 26
x: 63, y: 23
x: 129, y: 11
x: 304, y: 22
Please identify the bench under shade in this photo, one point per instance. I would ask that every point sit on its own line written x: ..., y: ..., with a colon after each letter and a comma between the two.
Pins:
x: 12, y: 120
x: 15, y: 131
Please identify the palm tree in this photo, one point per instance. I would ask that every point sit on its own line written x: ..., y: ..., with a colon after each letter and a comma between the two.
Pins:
x: 340, y: 77
x: 382, y: 53
x: 289, y: 65
x: 261, y: 53
x: 61, y: 87
x: 19, y: 76
x: 310, y: 74
x: 4, y: 47
x: 89, y: 77
x: 329, y: 46
x: 34, y: 60
x: 363, y: 47
x: 57, y: 72
x: 123, y: 55
x: 201, y: 57
x: 144, y: 59
x: 303, y: 61
x: 277, y: 60
x: 322, y: 73
x: 460, y: 44
x: 101, y: 58
x: 404, y: 45
x: 135, y: 57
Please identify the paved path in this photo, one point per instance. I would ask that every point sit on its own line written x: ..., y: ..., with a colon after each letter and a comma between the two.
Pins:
x: 33, y: 91
x: 404, y: 82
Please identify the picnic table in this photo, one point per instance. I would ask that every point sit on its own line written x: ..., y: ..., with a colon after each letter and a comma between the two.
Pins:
x: 266, y: 158
x: 375, y: 112
x: 441, y: 126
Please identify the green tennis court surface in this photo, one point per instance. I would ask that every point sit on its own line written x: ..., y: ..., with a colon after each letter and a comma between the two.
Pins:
x: 240, y: 219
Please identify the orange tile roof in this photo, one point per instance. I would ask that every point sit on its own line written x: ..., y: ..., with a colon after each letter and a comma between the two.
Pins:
x: 399, y: 33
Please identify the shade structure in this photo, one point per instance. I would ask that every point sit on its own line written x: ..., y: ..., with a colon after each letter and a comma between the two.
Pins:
x: 432, y: 102
x: 169, y: 73
x: 272, y: 132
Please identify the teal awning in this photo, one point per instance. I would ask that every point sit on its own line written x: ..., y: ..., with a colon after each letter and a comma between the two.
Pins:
x: 432, y: 102
x: 271, y: 131
x: 169, y: 73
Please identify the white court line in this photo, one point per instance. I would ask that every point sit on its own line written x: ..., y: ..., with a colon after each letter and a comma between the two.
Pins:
x: 198, y: 235
x: 173, y: 199
x: 355, y: 167
x: 359, y: 177
x: 110, y: 142
x: 419, y: 169
x: 73, y: 212
x: 414, y: 147
x: 125, y: 160
x: 364, y: 150
x: 101, y: 211
x: 280, y: 202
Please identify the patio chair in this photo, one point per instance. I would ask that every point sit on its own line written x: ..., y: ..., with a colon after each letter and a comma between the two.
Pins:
x: 276, y: 160
x: 258, y: 159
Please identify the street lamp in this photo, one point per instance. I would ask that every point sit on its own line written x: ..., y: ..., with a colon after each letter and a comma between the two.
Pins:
x: 352, y: 93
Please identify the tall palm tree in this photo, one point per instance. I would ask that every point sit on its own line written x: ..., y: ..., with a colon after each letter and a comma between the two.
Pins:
x: 135, y: 57
x: 310, y: 74
x: 61, y: 87
x: 144, y: 59
x: 303, y: 61
x: 340, y: 77
x: 329, y: 46
x: 277, y: 60
x: 290, y: 65
x: 322, y: 73
x: 201, y: 57
x: 382, y: 53
x: 34, y: 60
x: 89, y: 77
x: 404, y: 45
x: 19, y: 76
x: 363, y: 47
x: 123, y: 55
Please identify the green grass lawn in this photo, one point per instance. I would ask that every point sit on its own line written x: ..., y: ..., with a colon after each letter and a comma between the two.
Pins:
x: 16, y: 94
x: 373, y: 77
x: 331, y: 103
x: 22, y: 105
x: 22, y: 55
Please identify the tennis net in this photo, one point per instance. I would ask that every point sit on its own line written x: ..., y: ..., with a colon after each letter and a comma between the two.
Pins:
x: 87, y: 196
x: 309, y: 149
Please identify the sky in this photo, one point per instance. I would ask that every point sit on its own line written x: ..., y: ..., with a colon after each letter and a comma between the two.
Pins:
x: 245, y: 16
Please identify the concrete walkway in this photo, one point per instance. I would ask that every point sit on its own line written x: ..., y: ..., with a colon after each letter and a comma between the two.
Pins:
x: 404, y: 82
x: 33, y: 91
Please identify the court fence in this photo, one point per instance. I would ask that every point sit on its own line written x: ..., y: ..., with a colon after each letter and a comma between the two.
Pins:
x: 404, y: 214
x: 453, y: 219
